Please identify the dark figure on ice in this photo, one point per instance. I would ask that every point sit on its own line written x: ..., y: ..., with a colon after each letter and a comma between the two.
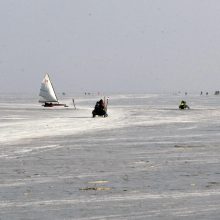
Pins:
x: 183, y: 105
x: 100, y: 109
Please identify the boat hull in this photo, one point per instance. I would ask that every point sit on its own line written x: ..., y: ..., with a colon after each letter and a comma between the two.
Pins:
x: 53, y: 104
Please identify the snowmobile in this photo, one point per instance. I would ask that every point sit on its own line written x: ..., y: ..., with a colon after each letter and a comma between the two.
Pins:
x: 183, y: 105
x: 100, y: 109
x: 99, y: 112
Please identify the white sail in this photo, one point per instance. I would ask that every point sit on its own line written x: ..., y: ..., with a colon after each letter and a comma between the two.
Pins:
x: 47, y: 92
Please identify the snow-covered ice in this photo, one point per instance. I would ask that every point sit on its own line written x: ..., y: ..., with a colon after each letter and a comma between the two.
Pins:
x: 147, y: 160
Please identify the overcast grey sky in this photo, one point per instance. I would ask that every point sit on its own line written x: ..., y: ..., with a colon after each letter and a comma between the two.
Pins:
x: 110, y: 45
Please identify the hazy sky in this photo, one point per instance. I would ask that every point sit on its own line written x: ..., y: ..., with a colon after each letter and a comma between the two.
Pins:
x: 110, y: 45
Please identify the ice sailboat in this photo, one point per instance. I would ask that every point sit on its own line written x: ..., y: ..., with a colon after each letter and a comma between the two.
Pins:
x: 47, y: 94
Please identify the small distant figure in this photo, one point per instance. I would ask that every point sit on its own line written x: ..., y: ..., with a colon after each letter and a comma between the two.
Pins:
x: 183, y: 105
x: 201, y: 93
x: 74, y: 104
x: 207, y: 93
x: 186, y: 93
x: 100, y: 109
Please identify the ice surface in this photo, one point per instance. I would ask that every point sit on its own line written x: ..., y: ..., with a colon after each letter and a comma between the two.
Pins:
x: 147, y: 160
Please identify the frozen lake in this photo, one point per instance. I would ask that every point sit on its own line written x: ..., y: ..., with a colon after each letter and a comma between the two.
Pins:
x: 147, y: 160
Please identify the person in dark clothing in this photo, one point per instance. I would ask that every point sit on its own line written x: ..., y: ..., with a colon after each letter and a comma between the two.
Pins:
x: 99, y: 109
x: 183, y: 105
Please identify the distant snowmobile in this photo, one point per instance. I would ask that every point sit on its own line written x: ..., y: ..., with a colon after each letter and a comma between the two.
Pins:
x: 183, y: 105
x: 100, y: 109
